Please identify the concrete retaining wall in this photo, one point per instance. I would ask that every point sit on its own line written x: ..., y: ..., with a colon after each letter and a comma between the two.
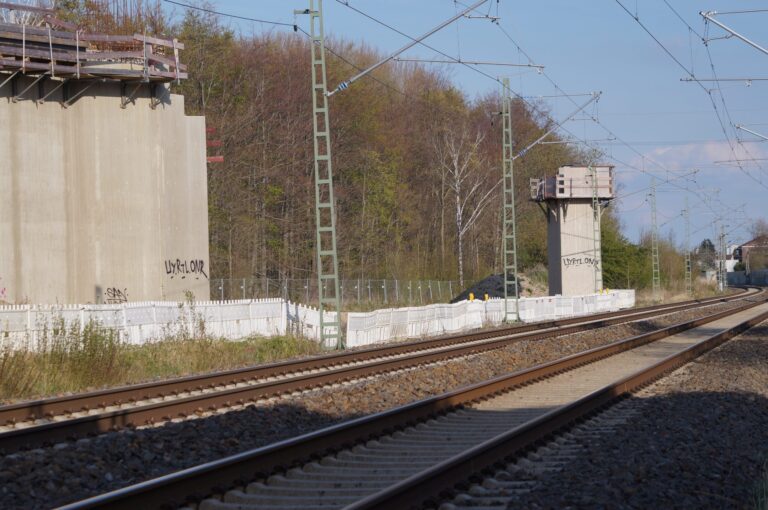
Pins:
x: 100, y: 204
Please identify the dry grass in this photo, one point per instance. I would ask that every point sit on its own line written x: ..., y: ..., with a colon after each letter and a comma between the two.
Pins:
x: 645, y: 297
x: 65, y: 360
x: 534, y: 281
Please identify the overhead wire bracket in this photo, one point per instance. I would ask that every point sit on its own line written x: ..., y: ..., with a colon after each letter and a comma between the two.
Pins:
x: 710, y: 16
x: 345, y: 84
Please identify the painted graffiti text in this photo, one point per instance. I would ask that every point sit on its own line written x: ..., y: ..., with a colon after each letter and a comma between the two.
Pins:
x: 116, y: 296
x: 182, y: 268
x: 579, y: 261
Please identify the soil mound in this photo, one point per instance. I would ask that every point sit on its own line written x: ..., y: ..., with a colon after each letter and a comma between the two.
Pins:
x: 492, y: 285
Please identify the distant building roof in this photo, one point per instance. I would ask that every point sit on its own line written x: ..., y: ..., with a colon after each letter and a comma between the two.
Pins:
x: 759, y: 241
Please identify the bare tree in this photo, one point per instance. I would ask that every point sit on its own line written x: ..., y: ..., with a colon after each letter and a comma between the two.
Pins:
x: 22, y: 17
x: 759, y: 228
x: 463, y: 167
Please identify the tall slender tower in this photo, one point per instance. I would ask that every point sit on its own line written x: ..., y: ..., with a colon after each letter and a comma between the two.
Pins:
x: 325, y: 213
x: 656, y: 274
x: 688, y: 276
x: 509, y: 242
x: 596, y: 239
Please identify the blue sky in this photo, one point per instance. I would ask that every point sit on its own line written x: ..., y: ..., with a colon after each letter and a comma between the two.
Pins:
x: 670, y: 125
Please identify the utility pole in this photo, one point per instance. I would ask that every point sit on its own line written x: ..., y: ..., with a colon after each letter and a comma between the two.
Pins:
x: 329, y: 296
x: 656, y: 276
x: 688, y: 276
x: 722, y: 267
x: 508, y: 204
x: 596, y: 240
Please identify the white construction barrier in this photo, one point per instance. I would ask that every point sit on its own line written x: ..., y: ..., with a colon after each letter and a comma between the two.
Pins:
x: 365, y: 328
x: 139, y: 323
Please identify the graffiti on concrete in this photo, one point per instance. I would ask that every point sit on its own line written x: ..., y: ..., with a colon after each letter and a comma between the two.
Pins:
x: 579, y: 261
x: 116, y: 296
x: 184, y: 268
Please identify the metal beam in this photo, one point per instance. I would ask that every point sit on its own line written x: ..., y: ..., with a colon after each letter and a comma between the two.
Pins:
x: 724, y: 79
x: 466, y: 62
x: 739, y: 126
x: 595, y: 97
x: 709, y: 15
x: 345, y: 84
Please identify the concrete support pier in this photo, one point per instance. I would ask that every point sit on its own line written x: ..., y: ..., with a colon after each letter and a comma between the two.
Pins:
x: 100, y: 203
x: 572, y: 202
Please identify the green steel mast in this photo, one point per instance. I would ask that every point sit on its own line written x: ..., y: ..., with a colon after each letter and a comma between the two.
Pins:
x: 655, y: 272
x: 508, y: 208
x: 596, y: 239
x: 325, y: 213
x: 688, y: 278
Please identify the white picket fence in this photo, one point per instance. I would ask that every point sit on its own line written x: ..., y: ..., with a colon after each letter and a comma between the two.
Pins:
x: 143, y: 322
x: 415, y: 322
x: 139, y: 323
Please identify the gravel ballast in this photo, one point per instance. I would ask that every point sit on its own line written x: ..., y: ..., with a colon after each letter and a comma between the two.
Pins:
x: 698, y: 439
x: 53, y: 476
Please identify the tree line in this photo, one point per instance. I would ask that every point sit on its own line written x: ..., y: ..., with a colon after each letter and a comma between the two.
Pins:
x: 417, y: 161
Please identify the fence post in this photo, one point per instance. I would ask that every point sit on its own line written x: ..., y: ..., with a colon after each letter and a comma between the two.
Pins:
x: 369, y: 292
x: 410, y: 293
x: 357, y: 286
x: 29, y: 319
x: 82, y: 319
x: 307, y: 301
x: 284, y: 316
x: 251, y: 325
x: 431, y: 299
x: 125, y: 323
x: 154, y: 329
x: 397, y: 292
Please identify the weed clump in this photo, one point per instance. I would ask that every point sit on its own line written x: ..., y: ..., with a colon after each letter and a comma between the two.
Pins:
x: 71, y: 358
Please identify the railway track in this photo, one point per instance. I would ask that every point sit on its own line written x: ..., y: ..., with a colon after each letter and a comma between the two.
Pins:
x: 416, y: 454
x: 36, y: 423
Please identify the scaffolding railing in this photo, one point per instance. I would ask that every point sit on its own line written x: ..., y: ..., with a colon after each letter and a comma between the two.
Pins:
x: 44, y: 50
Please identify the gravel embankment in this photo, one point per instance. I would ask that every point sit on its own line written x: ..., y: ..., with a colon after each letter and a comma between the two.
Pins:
x: 52, y: 476
x: 699, y: 441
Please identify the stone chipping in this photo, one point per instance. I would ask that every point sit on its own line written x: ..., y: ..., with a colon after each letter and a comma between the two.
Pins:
x: 697, y: 439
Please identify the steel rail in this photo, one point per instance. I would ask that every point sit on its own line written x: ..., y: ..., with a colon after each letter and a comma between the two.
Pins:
x: 430, y: 486
x: 215, y: 477
x: 152, y: 413
x: 31, y: 410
